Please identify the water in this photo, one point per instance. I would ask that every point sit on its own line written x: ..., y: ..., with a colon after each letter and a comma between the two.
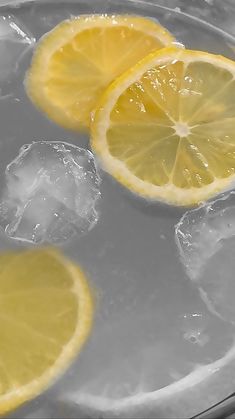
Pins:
x: 206, y: 237
x: 51, y: 193
x: 151, y: 327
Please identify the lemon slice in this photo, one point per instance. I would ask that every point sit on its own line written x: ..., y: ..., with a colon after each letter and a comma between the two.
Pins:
x: 201, y: 390
x: 45, y: 318
x: 166, y: 128
x: 78, y: 59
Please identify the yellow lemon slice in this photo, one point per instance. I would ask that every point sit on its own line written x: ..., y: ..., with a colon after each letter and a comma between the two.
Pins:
x: 166, y: 128
x: 78, y: 59
x: 45, y: 318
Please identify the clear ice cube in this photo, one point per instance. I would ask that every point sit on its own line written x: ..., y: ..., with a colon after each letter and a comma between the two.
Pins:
x: 205, y: 237
x: 15, y: 40
x: 51, y: 193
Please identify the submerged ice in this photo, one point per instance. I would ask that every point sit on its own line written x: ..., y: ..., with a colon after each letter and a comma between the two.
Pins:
x: 15, y: 40
x: 51, y: 193
x: 206, y: 240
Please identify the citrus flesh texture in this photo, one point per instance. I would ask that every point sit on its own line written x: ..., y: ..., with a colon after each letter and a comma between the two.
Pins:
x: 45, y: 318
x: 165, y: 128
x: 79, y: 58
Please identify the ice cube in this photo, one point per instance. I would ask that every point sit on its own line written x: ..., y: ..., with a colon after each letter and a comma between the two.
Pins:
x: 51, y: 193
x: 206, y: 240
x: 194, y: 328
x: 15, y: 40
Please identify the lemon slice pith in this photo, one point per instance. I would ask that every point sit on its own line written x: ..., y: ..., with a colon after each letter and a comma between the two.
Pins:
x: 74, y: 62
x: 45, y: 318
x: 166, y: 128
